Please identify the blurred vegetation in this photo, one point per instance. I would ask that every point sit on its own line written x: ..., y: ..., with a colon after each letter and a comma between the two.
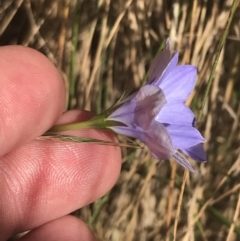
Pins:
x: 103, y: 47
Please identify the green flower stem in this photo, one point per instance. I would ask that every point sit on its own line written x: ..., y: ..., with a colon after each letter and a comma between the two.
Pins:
x: 96, y: 123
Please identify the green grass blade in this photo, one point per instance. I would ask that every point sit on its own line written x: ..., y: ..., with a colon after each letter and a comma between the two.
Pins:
x: 219, y: 50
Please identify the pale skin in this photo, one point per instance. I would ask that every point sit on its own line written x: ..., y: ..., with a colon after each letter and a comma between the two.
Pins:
x: 41, y: 182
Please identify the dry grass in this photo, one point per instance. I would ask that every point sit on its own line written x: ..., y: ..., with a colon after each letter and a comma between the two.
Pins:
x: 105, y: 47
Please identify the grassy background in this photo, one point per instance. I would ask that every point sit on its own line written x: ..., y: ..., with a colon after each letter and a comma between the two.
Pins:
x: 103, y: 47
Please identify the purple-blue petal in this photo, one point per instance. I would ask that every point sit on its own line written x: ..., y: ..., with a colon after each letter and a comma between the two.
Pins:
x: 196, y: 152
x: 184, y: 137
x: 176, y: 113
x: 125, y: 113
x: 183, y: 161
x: 134, y: 132
x: 149, y: 101
x: 158, y: 65
x: 142, y: 109
x: 155, y: 137
x: 170, y: 67
x: 158, y: 141
x: 179, y: 83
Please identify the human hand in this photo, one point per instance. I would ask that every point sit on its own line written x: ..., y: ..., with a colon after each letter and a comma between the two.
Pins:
x: 41, y: 182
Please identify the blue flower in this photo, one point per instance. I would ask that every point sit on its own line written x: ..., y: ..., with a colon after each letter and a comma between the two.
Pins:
x: 156, y: 113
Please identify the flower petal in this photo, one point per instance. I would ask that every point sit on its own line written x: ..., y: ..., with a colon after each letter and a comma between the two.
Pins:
x: 149, y: 101
x: 171, y: 65
x: 196, y: 152
x: 158, y: 141
x: 179, y: 83
x: 155, y: 137
x: 142, y: 109
x: 184, y: 137
x: 175, y: 113
x: 159, y: 64
x: 137, y: 132
x: 124, y: 113
x: 183, y: 161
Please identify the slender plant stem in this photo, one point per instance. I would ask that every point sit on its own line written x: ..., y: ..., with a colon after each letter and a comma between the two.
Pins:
x: 179, y: 204
x: 219, y: 50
